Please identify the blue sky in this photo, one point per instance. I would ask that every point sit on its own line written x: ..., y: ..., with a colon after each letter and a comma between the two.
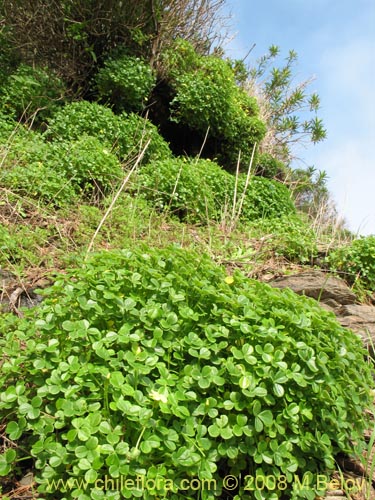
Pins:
x: 335, y: 43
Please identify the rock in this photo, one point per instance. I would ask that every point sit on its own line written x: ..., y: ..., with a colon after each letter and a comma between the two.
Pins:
x: 318, y: 285
x: 360, y: 319
x: 6, y: 278
x: 14, y: 296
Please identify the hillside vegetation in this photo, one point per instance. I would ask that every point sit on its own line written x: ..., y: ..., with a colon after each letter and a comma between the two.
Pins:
x: 147, y: 189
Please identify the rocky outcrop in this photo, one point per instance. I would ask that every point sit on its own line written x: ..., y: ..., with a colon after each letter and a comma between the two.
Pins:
x: 318, y: 285
x: 360, y: 318
x: 335, y: 295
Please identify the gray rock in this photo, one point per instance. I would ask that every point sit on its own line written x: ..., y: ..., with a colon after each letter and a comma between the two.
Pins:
x: 334, y: 295
x: 360, y: 319
x: 318, y: 285
x: 6, y: 278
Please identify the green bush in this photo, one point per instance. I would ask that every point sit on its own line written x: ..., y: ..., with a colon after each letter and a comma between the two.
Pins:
x: 157, y: 367
x: 356, y: 262
x: 207, y: 98
x: 32, y: 168
x: 40, y: 181
x: 126, y: 82
x: 201, y: 190
x: 90, y: 165
x: 22, y: 146
x: 31, y: 93
x: 289, y: 236
x: 269, y: 166
x: 83, y: 117
x: 194, y: 190
x: 58, y: 172
x: 134, y: 132
x: 265, y: 198
x: 7, y: 126
x: 127, y: 134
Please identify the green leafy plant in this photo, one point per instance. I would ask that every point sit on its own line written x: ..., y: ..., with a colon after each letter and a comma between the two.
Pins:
x: 21, y: 246
x: 32, y: 168
x: 355, y: 262
x: 56, y: 172
x: 90, y: 165
x: 289, y: 236
x: 40, y: 181
x: 7, y: 126
x: 200, y: 190
x: 286, y: 107
x: 194, y: 190
x: 126, y: 82
x: 268, y: 166
x: 156, y: 365
x: 133, y: 133
x: 32, y: 94
x: 83, y: 117
x: 265, y: 198
x: 126, y: 134
x: 208, y: 99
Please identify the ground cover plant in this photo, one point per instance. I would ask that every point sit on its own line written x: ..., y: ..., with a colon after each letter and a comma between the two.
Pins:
x: 355, y: 262
x: 31, y: 93
x: 200, y: 190
x: 290, y: 236
x: 126, y: 82
x: 156, y: 364
x: 125, y: 133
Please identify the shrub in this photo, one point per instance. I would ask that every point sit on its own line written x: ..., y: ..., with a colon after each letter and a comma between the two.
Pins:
x: 90, y: 165
x: 200, y: 190
x: 59, y: 171
x: 126, y: 82
x: 355, y: 262
x: 244, y: 132
x: 125, y: 133
x: 7, y: 126
x: 265, y: 198
x: 156, y: 366
x: 207, y: 98
x: 204, y: 97
x: 31, y: 93
x: 289, y: 236
x: 22, y: 146
x: 134, y: 132
x: 196, y: 191
x: 40, y: 181
x: 269, y: 166
x: 32, y: 168
x: 83, y: 117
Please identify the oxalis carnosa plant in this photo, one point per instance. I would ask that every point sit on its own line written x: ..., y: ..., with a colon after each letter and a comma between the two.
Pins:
x: 152, y: 374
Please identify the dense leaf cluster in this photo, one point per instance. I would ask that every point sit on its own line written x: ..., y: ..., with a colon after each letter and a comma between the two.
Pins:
x: 125, y: 82
x: 356, y: 262
x: 208, y: 99
x: 200, y: 191
x: 31, y: 94
x: 157, y: 364
x: 126, y: 134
